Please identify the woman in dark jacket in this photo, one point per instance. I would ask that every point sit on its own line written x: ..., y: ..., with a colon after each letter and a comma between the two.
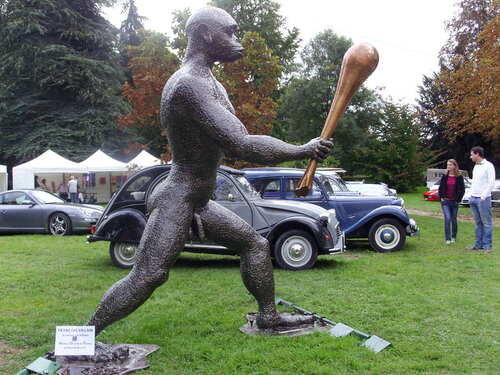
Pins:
x: 451, y: 191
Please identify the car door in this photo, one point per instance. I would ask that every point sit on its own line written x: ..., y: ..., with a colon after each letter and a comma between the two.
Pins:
x: 17, y: 215
x: 228, y: 195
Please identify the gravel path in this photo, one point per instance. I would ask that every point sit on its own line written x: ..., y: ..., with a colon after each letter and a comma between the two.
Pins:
x: 466, y: 218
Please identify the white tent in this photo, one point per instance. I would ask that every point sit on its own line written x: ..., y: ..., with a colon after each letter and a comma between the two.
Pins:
x: 23, y: 175
x: 107, y: 175
x: 101, y: 162
x: 143, y: 160
x: 3, y: 177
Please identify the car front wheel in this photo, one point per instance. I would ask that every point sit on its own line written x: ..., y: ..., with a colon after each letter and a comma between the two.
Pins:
x: 387, y: 235
x: 59, y: 224
x: 295, y: 250
x: 123, y: 254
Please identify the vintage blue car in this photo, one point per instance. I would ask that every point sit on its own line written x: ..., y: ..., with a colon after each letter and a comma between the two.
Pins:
x: 381, y: 219
x: 297, y: 233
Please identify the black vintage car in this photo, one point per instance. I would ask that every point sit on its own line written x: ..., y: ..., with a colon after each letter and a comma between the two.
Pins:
x: 297, y: 232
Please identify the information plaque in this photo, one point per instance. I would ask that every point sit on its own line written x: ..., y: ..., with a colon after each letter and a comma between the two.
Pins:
x: 74, y: 340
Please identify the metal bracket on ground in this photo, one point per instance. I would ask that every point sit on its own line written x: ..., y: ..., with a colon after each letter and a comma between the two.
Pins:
x: 40, y: 366
x: 372, y: 342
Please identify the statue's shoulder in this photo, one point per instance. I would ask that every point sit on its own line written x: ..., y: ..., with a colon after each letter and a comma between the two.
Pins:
x: 183, y: 83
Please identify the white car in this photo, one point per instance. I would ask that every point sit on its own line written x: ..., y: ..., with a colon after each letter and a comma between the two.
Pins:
x: 495, y: 195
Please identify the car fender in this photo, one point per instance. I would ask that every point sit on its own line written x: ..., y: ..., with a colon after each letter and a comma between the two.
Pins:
x: 126, y: 225
x: 296, y: 222
x: 382, y: 211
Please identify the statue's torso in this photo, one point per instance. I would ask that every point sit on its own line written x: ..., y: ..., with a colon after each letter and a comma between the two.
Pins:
x: 195, y: 155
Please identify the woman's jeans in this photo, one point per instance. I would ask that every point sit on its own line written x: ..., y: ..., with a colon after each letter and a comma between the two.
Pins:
x: 481, y: 210
x: 450, y: 210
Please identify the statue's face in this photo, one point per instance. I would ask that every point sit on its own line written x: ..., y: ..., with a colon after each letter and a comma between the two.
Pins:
x: 224, y: 45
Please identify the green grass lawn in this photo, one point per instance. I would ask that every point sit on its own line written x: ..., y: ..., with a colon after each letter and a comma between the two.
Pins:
x: 438, y: 305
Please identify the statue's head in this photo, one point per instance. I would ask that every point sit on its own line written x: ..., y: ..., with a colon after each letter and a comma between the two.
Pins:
x: 213, y: 30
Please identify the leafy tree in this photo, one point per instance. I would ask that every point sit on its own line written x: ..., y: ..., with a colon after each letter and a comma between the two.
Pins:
x: 459, y: 105
x: 250, y: 82
x: 464, y: 29
x: 306, y: 101
x: 151, y: 64
x: 473, y: 104
x: 392, y: 153
x: 179, y: 21
x: 263, y: 18
x: 59, y: 79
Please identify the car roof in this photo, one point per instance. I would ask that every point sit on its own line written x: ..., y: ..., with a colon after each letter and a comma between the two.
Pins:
x: 278, y: 171
x: 18, y: 190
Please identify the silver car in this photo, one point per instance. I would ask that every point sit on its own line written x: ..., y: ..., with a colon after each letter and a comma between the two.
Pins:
x: 38, y: 211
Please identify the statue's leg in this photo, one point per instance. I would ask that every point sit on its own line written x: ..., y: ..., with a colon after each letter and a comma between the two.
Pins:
x: 163, y: 238
x: 226, y: 228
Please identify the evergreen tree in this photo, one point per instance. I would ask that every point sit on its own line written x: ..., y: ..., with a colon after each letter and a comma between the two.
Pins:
x: 60, y: 79
x: 130, y: 27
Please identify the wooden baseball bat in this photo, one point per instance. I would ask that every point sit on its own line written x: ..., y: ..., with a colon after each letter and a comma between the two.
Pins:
x: 359, y: 62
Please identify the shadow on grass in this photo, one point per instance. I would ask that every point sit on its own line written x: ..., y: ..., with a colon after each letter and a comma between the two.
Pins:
x: 213, y: 261
x: 327, y: 263
x: 187, y: 260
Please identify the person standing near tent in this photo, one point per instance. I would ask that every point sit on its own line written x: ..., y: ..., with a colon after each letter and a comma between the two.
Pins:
x: 43, y: 185
x: 73, y: 189
x: 62, y: 190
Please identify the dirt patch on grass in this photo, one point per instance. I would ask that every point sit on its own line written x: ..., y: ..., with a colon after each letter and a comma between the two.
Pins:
x: 351, y: 256
x: 7, y: 351
x: 465, y: 218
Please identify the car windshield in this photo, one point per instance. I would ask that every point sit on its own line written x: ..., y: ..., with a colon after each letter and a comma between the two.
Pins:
x: 333, y: 185
x: 247, y: 188
x: 46, y: 197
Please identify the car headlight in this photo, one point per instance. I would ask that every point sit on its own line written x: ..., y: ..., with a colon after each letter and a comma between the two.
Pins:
x: 86, y: 212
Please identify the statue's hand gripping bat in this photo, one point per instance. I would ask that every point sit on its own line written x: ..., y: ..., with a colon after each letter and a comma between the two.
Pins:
x: 359, y: 62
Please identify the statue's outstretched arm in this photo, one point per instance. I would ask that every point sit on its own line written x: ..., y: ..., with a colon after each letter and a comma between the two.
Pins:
x: 231, y: 135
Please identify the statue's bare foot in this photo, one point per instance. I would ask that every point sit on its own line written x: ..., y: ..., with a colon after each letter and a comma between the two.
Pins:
x: 276, y: 320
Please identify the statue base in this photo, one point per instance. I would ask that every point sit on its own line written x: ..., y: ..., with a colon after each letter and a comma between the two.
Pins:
x: 250, y: 328
x: 109, y: 359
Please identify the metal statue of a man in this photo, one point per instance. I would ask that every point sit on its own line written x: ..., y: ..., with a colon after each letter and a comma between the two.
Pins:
x: 201, y: 128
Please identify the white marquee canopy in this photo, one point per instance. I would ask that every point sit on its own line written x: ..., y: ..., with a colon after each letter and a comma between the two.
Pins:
x: 101, y: 162
x: 142, y: 160
x: 23, y: 175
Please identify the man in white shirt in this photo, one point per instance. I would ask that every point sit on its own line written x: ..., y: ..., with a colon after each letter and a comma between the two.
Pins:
x: 73, y: 189
x: 483, y: 181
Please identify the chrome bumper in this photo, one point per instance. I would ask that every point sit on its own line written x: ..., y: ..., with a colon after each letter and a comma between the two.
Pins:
x: 412, y: 228
x: 340, y: 245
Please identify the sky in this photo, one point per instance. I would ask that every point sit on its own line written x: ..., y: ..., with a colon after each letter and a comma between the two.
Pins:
x: 407, y: 34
